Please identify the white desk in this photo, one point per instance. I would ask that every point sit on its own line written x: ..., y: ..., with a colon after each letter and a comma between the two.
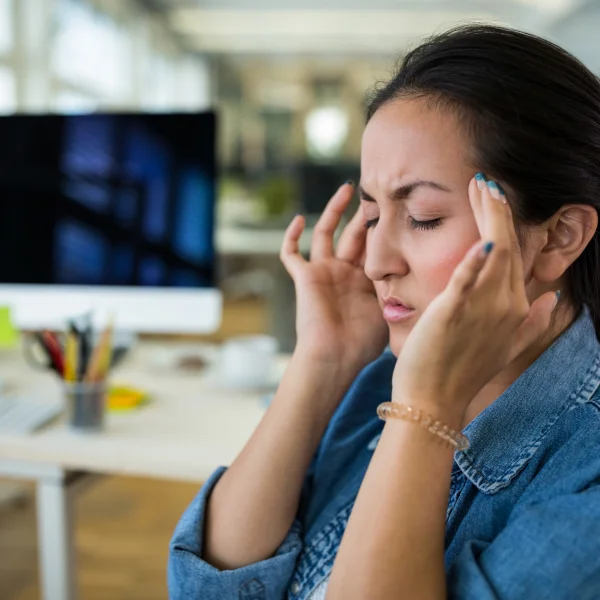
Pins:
x: 190, y: 428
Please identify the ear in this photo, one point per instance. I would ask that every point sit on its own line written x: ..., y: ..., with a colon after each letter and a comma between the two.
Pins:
x: 567, y: 234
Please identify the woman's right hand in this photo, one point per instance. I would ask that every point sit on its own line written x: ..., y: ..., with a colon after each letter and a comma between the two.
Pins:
x: 338, y: 318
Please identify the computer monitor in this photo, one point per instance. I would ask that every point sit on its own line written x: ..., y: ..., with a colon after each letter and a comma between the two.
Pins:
x: 112, y: 213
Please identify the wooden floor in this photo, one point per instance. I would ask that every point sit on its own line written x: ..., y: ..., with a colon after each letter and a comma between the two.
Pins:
x: 123, y: 524
x: 122, y: 535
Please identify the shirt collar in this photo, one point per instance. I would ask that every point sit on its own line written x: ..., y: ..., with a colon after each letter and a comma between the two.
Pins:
x: 507, y: 433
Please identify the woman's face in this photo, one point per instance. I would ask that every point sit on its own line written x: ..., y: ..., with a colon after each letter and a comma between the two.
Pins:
x: 414, y: 168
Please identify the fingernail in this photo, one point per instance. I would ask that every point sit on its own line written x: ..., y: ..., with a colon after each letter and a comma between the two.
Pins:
x: 557, y: 299
x: 502, y: 194
x: 494, y: 191
x: 480, y: 178
x: 349, y: 182
x: 488, y: 247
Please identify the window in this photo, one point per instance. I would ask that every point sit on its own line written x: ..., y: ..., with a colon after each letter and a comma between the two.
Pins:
x: 91, y: 52
x: 8, y: 95
x: 6, y: 26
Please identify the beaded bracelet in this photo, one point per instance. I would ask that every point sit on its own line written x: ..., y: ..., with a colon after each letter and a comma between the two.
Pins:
x: 396, y: 410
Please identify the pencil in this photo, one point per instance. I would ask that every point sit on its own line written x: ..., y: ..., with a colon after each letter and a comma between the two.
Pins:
x: 71, y: 357
x: 100, y: 360
x: 106, y: 356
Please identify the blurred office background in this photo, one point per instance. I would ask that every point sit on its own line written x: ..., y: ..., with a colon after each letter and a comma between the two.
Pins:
x: 288, y: 80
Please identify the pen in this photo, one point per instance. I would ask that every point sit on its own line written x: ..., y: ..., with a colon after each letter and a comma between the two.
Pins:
x: 85, y: 347
x: 54, y: 351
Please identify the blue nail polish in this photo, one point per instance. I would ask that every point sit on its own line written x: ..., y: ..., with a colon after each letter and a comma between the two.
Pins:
x: 557, y: 295
x: 480, y: 176
x: 488, y: 247
x: 501, y: 190
x: 493, y: 186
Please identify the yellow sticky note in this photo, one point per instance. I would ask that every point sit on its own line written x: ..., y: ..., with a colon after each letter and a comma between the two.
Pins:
x: 123, y: 397
x: 8, y: 334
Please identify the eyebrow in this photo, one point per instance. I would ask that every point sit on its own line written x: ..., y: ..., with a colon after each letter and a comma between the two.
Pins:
x: 404, y: 191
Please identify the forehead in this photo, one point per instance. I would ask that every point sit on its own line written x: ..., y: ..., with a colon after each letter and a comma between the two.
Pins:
x: 406, y: 139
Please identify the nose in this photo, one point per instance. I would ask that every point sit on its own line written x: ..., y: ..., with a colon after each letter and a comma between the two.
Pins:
x: 384, y: 257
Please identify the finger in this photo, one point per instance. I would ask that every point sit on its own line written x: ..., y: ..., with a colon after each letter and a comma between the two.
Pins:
x: 536, y: 323
x: 465, y: 275
x: 498, y: 268
x: 290, y: 248
x: 322, y: 239
x: 352, y: 241
x: 517, y: 283
x: 362, y: 259
x: 517, y: 278
x: 476, y: 184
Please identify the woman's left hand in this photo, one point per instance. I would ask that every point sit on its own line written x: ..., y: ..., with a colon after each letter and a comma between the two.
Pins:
x: 478, y: 324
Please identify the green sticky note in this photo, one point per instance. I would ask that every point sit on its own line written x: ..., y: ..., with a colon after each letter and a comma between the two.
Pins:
x: 8, y: 334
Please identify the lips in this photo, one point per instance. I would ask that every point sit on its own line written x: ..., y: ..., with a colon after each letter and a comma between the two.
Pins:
x: 394, y: 310
x: 394, y: 301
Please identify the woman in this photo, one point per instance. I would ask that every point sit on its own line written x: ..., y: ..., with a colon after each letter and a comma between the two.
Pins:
x: 480, y: 192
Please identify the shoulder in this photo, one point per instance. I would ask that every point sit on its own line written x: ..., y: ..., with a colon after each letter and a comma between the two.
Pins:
x: 581, y: 428
x: 570, y: 463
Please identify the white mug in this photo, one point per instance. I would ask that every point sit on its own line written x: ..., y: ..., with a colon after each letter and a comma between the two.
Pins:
x: 248, y: 361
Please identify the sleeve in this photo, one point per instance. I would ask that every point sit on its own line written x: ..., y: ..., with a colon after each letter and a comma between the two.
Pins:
x: 191, y: 578
x: 549, y: 551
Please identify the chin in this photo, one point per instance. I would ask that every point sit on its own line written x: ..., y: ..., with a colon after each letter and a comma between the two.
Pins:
x: 397, y: 340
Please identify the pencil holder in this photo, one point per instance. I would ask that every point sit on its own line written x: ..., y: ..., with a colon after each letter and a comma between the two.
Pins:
x: 86, y: 403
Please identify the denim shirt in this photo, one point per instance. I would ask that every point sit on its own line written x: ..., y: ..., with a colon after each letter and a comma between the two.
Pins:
x: 523, y: 516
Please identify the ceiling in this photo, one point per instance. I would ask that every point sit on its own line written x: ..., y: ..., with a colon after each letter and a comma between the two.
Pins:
x: 345, y: 27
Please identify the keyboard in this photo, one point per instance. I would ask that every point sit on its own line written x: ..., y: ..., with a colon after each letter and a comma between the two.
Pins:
x: 23, y: 415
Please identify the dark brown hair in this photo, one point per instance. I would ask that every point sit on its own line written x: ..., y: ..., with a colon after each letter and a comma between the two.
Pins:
x: 532, y: 111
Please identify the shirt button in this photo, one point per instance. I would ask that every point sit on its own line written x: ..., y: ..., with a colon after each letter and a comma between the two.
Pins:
x: 295, y: 587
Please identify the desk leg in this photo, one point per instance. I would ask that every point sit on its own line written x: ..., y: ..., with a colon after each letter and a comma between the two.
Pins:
x: 55, y: 539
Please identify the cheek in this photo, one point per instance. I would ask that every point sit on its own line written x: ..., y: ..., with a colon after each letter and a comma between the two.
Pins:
x: 431, y: 275
x: 438, y: 269
x: 433, y: 271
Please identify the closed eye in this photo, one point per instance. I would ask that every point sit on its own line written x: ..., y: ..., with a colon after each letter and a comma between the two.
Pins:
x: 425, y: 224
x: 414, y: 224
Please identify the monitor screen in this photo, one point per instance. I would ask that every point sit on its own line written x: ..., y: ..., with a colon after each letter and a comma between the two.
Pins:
x: 108, y: 199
